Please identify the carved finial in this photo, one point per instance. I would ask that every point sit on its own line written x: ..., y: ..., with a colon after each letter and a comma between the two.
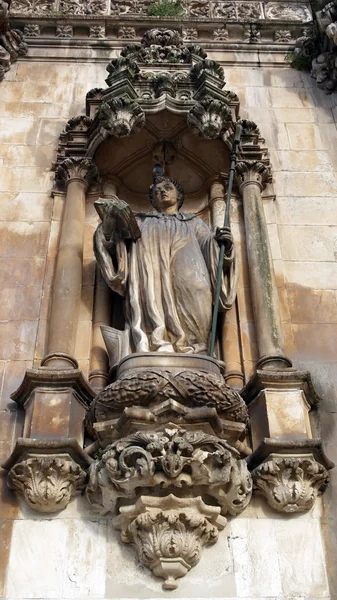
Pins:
x: 121, y: 117
x: 209, y: 118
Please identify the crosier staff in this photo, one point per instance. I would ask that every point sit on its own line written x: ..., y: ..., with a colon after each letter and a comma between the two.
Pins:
x: 222, y: 244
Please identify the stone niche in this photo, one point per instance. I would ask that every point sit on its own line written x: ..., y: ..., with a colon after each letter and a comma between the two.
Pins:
x: 165, y: 436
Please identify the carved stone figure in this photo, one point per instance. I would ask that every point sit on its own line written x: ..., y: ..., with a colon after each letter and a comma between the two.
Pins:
x: 168, y: 275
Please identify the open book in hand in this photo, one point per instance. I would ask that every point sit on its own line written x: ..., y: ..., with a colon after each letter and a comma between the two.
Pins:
x: 117, y: 215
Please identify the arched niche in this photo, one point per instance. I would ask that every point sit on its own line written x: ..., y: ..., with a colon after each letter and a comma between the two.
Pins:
x: 194, y: 162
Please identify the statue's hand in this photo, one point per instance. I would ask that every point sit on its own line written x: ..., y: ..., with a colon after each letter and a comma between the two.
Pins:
x: 223, y: 235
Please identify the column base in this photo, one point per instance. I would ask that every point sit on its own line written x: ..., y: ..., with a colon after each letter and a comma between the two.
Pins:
x: 59, y: 360
x: 273, y: 362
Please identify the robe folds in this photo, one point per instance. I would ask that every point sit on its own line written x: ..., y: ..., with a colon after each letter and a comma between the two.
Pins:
x: 168, y: 278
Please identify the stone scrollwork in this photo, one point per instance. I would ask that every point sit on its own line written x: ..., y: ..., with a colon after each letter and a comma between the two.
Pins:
x: 31, y: 7
x: 171, y: 458
x: 121, y: 117
x: 287, y: 11
x: 209, y: 118
x: 290, y: 483
x: 47, y: 483
x: 169, y: 533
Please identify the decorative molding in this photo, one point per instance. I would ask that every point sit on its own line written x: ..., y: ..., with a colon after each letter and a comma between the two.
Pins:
x: 127, y: 33
x: 221, y: 34
x: 169, y: 533
x: 31, y: 30
x: 64, y: 31
x: 282, y: 36
x: 97, y: 32
x: 290, y: 483
x: 47, y: 483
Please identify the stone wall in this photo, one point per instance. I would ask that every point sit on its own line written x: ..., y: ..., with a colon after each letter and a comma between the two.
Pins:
x: 260, y: 554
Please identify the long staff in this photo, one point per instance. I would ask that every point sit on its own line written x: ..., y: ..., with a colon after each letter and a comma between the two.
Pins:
x: 222, y: 246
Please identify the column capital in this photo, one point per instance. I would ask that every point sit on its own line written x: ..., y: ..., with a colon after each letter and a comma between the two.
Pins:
x: 252, y: 171
x: 77, y: 169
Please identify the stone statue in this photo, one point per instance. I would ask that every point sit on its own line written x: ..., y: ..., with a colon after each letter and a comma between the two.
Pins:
x: 167, y: 275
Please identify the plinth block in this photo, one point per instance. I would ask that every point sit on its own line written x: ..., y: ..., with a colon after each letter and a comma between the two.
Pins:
x: 279, y: 403
x: 55, y: 402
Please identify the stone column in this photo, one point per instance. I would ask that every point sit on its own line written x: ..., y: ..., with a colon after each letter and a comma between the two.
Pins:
x: 77, y: 174
x: 229, y: 323
x: 252, y: 178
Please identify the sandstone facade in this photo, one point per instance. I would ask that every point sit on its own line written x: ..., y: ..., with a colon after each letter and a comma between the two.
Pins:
x: 261, y: 553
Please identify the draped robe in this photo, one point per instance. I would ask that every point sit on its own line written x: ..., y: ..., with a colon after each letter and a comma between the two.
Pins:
x: 168, y: 278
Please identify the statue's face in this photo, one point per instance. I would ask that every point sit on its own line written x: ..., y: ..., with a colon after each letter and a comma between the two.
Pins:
x: 165, y: 195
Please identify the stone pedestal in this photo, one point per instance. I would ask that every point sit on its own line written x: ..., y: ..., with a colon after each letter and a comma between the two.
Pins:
x: 279, y: 403
x: 47, y: 466
x: 55, y: 403
x: 288, y: 467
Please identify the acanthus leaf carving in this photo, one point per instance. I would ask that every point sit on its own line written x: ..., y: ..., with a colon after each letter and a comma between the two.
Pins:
x: 77, y: 168
x: 164, y: 83
x: 209, y: 118
x: 126, y: 33
x: 207, y: 67
x: 120, y: 64
x: 121, y: 117
x: 221, y: 34
x: 169, y: 533
x: 47, y: 483
x: 31, y: 30
x: 290, y: 483
x: 97, y: 32
x: 282, y: 36
x: 249, y: 171
x: 64, y: 31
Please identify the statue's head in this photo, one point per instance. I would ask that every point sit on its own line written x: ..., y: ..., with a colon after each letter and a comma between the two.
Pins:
x: 165, y: 193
